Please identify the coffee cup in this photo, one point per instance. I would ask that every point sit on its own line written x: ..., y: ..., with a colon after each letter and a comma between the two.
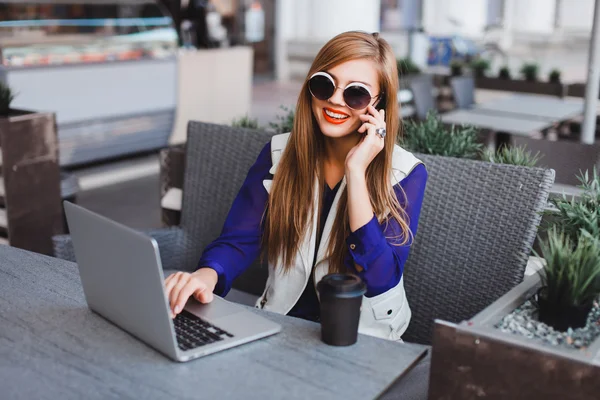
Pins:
x: 341, y: 298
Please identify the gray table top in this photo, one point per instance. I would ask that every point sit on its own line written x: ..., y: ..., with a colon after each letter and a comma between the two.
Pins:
x: 533, y: 106
x: 52, y: 346
x: 521, y: 126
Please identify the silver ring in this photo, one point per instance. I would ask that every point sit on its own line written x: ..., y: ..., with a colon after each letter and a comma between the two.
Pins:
x: 380, y: 132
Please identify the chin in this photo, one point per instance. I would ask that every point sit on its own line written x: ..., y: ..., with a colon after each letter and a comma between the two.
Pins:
x: 335, y: 131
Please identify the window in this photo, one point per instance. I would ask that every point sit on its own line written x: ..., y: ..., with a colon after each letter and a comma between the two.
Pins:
x: 42, y: 32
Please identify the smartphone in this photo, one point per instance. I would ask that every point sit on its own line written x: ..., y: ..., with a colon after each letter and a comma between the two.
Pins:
x: 381, y: 103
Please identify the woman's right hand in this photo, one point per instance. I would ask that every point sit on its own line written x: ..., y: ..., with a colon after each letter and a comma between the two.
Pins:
x: 181, y: 285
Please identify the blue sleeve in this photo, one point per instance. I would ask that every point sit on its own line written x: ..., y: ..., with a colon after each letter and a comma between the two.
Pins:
x: 372, y: 245
x: 239, y: 242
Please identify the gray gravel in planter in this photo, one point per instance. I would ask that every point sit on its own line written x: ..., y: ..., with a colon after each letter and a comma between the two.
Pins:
x: 524, y: 321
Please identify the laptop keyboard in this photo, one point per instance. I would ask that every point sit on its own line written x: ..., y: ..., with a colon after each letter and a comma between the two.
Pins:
x: 192, y: 331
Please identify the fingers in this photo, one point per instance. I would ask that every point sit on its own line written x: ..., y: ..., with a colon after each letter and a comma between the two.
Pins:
x: 370, y: 119
x: 203, y: 295
x: 170, y: 282
x: 378, y: 114
x: 180, y: 286
x: 366, y: 127
x: 184, y: 294
x: 177, y: 288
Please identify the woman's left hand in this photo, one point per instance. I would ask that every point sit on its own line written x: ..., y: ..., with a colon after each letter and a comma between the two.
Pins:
x: 361, y: 155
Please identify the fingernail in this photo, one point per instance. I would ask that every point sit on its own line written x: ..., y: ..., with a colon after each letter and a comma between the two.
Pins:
x: 176, y: 310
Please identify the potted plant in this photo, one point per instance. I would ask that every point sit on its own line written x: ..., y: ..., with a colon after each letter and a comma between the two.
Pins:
x: 406, y: 66
x: 29, y: 149
x: 456, y: 68
x: 6, y: 98
x: 554, y: 76
x: 582, y: 214
x: 529, y: 83
x: 433, y: 137
x: 529, y: 71
x: 545, y: 328
x: 245, y: 122
x: 504, y: 72
x: 283, y: 123
x: 512, y: 155
x: 480, y: 67
x: 569, y: 278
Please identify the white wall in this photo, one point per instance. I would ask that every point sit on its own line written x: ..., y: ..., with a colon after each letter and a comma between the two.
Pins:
x: 576, y: 15
x: 470, y: 15
x: 534, y: 16
x: 316, y: 21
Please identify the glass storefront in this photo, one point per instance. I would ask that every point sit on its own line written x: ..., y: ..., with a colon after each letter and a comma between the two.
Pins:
x: 43, y: 32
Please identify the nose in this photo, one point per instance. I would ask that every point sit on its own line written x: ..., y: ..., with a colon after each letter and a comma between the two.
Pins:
x: 337, y: 97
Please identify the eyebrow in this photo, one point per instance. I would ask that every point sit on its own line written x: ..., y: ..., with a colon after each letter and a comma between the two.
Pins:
x: 364, y: 83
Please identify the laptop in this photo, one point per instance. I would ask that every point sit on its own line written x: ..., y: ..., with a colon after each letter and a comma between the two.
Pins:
x: 123, y: 281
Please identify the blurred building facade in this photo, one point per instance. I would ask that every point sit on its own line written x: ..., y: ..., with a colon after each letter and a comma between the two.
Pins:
x: 302, y: 27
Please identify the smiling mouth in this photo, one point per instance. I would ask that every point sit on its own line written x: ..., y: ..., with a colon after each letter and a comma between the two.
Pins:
x: 334, y: 116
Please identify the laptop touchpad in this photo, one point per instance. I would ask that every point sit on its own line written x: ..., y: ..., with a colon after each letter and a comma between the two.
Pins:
x: 218, y: 308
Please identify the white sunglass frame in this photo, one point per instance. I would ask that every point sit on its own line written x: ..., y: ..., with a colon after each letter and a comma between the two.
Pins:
x: 351, y: 84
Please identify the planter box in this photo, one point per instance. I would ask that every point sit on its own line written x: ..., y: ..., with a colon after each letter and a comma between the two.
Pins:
x: 567, y: 158
x: 474, y: 360
x: 31, y: 177
x: 577, y: 90
x: 521, y: 86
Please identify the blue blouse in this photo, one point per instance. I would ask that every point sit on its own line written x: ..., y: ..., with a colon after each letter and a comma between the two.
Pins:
x: 371, y: 246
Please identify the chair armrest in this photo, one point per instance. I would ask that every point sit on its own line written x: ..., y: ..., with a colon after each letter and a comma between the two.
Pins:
x: 63, y: 247
x: 171, y: 243
x: 172, y: 246
x: 172, y: 168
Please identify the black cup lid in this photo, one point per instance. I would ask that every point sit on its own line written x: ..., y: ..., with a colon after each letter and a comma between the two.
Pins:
x: 342, y: 284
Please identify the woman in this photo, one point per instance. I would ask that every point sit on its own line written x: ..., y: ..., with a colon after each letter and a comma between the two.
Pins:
x: 335, y: 194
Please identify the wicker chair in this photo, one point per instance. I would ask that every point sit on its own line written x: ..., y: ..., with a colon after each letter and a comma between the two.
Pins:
x: 217, y: 160
x: 476, y: 228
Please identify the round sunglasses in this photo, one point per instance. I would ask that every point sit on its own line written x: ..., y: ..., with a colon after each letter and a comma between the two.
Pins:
x: 356, y: 95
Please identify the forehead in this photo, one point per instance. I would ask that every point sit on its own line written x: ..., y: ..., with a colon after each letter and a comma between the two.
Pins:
x: 356, y: 71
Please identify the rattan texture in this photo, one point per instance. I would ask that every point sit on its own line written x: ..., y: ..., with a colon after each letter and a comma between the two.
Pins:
x: 476, y: 228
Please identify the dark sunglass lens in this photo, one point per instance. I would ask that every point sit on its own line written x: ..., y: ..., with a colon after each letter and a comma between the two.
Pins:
x: 357, y: 97
x: 321, y: 87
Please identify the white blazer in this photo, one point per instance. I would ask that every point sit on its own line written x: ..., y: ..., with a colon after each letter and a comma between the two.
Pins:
x: 386, y: 315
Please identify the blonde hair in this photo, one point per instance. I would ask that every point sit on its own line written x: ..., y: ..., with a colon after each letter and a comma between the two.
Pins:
x: 291, y: 203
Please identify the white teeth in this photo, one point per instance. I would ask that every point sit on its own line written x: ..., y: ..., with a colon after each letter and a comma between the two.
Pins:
x: 335, y: 115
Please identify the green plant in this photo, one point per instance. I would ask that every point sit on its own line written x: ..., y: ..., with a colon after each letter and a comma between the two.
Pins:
x: 554, y: 76
x: 504, y: 72
x: 245, y: 122
x: 6, y: 97
x: 406, y: 66
x: 574, y: 216
x: 432, y: 137
x: 284, y: 123
x: 456, y: 68
x: 571, y: 273
x: 480, y: 66
x: 530, y: 71
x: 513, y: 155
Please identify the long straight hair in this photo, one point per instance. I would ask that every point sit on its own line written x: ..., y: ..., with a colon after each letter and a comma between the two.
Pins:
x: 291, y: 207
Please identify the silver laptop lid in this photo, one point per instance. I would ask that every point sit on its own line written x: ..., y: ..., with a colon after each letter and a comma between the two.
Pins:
x: 122, y: 277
